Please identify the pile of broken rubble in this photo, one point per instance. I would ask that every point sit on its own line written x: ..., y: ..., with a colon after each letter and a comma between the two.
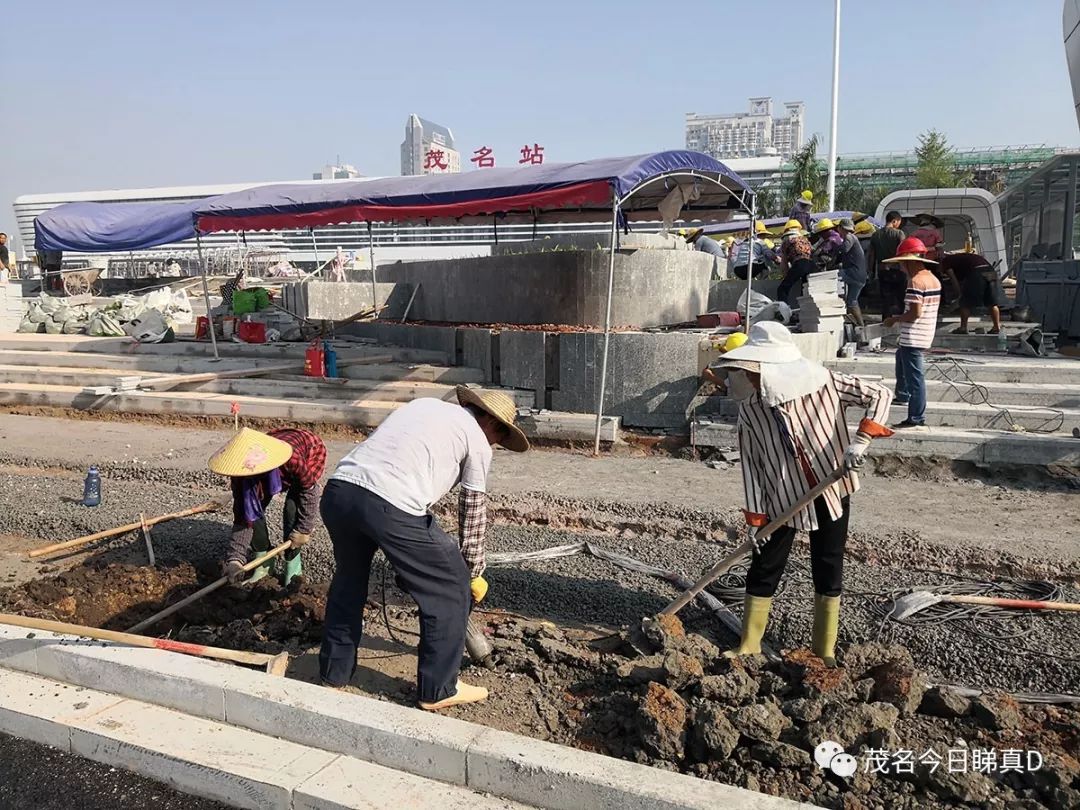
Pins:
x: 661, y: 696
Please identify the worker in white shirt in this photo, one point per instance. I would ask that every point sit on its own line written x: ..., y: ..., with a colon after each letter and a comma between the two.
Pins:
x: 793, y: 434
x: 380, y: 497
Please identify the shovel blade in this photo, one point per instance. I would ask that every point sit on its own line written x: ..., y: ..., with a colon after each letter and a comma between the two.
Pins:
x: 910, y: 604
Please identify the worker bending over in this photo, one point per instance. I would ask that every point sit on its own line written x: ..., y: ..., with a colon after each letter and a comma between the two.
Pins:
x: 260, y: 465
x: 793, y: 434
x: 379, y: 497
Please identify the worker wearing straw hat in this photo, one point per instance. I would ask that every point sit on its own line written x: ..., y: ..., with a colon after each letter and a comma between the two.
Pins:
x: 793, y: 434
x: 261, y: 465
x: 380, y: 497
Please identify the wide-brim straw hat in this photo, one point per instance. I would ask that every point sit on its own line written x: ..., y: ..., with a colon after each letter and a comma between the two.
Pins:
x: 500, y: 406
x: 250, y: 452
x: 769, y: 342
x: 909, y: 257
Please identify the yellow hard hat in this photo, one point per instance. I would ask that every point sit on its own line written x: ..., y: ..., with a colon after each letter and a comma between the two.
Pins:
x: 807, y: 195
x: 681, y: 231
x: 864, y: 227
x: 729, y: 240
x: 759, y: 227
x: 734, y: 341
x: 823, y: 224
x: 792, y: 224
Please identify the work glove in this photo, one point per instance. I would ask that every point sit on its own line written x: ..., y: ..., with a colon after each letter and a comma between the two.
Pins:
x: 856, y: 452
x: 479, y: 588
x: 298, y: 539
x: 234, y: 570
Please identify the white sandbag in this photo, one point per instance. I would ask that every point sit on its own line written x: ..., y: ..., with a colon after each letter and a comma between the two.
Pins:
x: 53, y: 328
x: 757, y: 303
x: 36, y: 314
x: 104, y: 325
x: 63, y: 315
x: 73, y: 327
x: 30, y: 327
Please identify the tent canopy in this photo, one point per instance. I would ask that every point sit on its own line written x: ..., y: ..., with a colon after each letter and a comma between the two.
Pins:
x: 567, y: 191
x: 94, y: 227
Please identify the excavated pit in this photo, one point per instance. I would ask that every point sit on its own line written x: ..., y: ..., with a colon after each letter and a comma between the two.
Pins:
x: 563, y: 672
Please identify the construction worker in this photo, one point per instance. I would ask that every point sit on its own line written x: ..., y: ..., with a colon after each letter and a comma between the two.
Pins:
x: 918, y: 325
x: 852, y: 268
x: 802, y: 209
x: 795, y: 251
x: 929, y: 233
x: 765, y: 257
x: 732, y: 342
x: 260, y: 465
x: 827, y: 243
x: 706, y: 244
x: 977, y: 284
x: 793, y: 434
x: 891, y: 279
x: 379, y: 497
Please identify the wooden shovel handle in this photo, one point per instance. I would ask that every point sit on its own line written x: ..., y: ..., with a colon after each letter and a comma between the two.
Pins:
x: 209, y: 506
x: 722, y: 567
x: 213, y: 586
x: 63, y: 628
x: 1029, y: 604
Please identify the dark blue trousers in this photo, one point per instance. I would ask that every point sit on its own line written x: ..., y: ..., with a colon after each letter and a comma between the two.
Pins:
x: 430, y: 569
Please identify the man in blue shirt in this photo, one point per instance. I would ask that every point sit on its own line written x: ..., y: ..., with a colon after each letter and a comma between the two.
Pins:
x: 852, y: 269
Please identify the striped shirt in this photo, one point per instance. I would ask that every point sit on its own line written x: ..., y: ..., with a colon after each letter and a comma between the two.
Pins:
x: 786, y: 450
x: 923, y: 289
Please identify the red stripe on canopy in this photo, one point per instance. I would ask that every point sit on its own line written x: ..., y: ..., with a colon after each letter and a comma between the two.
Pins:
x: 592, y: 193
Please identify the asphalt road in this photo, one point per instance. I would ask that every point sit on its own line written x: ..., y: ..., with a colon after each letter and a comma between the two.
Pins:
x: 36, y: 777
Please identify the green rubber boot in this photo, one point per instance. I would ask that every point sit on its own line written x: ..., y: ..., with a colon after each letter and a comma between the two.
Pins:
x: 826, y: 627
x: 260, y: 544
x: 755, y: 617
x: 294, y: 572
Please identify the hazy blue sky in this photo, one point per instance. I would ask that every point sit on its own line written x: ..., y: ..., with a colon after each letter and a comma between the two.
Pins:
x: 119, y: 94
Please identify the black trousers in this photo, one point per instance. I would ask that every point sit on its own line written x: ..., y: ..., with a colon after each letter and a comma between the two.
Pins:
x: 826, y: 554
x: 429, y: 567
x: 794, y: 278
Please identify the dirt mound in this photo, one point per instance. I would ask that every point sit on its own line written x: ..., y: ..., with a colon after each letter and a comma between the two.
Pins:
x: 261, y: 617
x: 757, y: 723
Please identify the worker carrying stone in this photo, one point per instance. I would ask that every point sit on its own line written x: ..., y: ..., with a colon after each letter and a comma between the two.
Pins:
x: 261, y: 465
x: 380, y: 497
x: 793, y: 434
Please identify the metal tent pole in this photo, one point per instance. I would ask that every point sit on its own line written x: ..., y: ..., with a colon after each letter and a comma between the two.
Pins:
x: 371, y: 254
x: 315, y: 246
x: 835, y: 101
x: 750, y: 258
x: 607, y: 324
x: 206, y: 297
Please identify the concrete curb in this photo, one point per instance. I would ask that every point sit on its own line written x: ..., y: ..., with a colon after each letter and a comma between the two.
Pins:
x: 206, y: 758
x: 427, y: 745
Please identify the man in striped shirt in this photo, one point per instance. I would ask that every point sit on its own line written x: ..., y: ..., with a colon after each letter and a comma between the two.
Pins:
x: 917, y: 327
x: 793, y: 434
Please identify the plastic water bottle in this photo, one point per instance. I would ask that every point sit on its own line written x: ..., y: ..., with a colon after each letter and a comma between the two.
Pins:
x: 1003, y: 341
x: 329, y: 359
x: 92, y: 488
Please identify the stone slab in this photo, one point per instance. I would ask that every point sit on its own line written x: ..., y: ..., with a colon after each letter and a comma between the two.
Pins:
x: 561, y: 778
x: 523, y: 362
x: 336, y: 301
x: 199, y: 756
x: 477, y: 350
x: 44, y: 711
x: 348, y: 783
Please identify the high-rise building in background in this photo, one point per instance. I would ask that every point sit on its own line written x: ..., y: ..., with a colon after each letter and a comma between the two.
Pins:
x: 342, y: 171
x: 748, y: 134
x: 428, y: 148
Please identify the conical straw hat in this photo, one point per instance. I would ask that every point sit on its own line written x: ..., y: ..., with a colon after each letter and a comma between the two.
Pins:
x: 502, y: 408
x: 250, y: 452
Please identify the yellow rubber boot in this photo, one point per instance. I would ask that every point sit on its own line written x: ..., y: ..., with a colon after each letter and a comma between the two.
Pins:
x: 755, y: 617
x: 826, y: 627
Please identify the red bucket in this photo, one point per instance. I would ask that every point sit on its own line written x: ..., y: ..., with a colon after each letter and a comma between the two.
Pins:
x: 251, y: 331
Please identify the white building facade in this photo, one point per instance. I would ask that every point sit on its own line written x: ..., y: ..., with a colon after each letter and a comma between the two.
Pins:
x: 428, y: 148
x: 748, y: 134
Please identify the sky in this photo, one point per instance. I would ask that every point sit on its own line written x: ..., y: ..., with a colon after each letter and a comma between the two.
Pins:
x: 128, y: 93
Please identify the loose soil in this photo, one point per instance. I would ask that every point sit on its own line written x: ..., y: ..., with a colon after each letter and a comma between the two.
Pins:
x: 661, y: 695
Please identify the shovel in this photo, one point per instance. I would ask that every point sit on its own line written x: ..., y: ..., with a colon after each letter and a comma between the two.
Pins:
x: 764, y: 533
x: 912, y: 603
x: 274, y: 664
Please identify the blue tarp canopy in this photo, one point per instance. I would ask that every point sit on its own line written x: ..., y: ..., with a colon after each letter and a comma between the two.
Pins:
x: 94, y: 227
x: 556, y: 192
x: 566, y: 191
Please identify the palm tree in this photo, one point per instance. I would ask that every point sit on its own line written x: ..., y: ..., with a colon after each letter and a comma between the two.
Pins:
x: 807, y: 172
